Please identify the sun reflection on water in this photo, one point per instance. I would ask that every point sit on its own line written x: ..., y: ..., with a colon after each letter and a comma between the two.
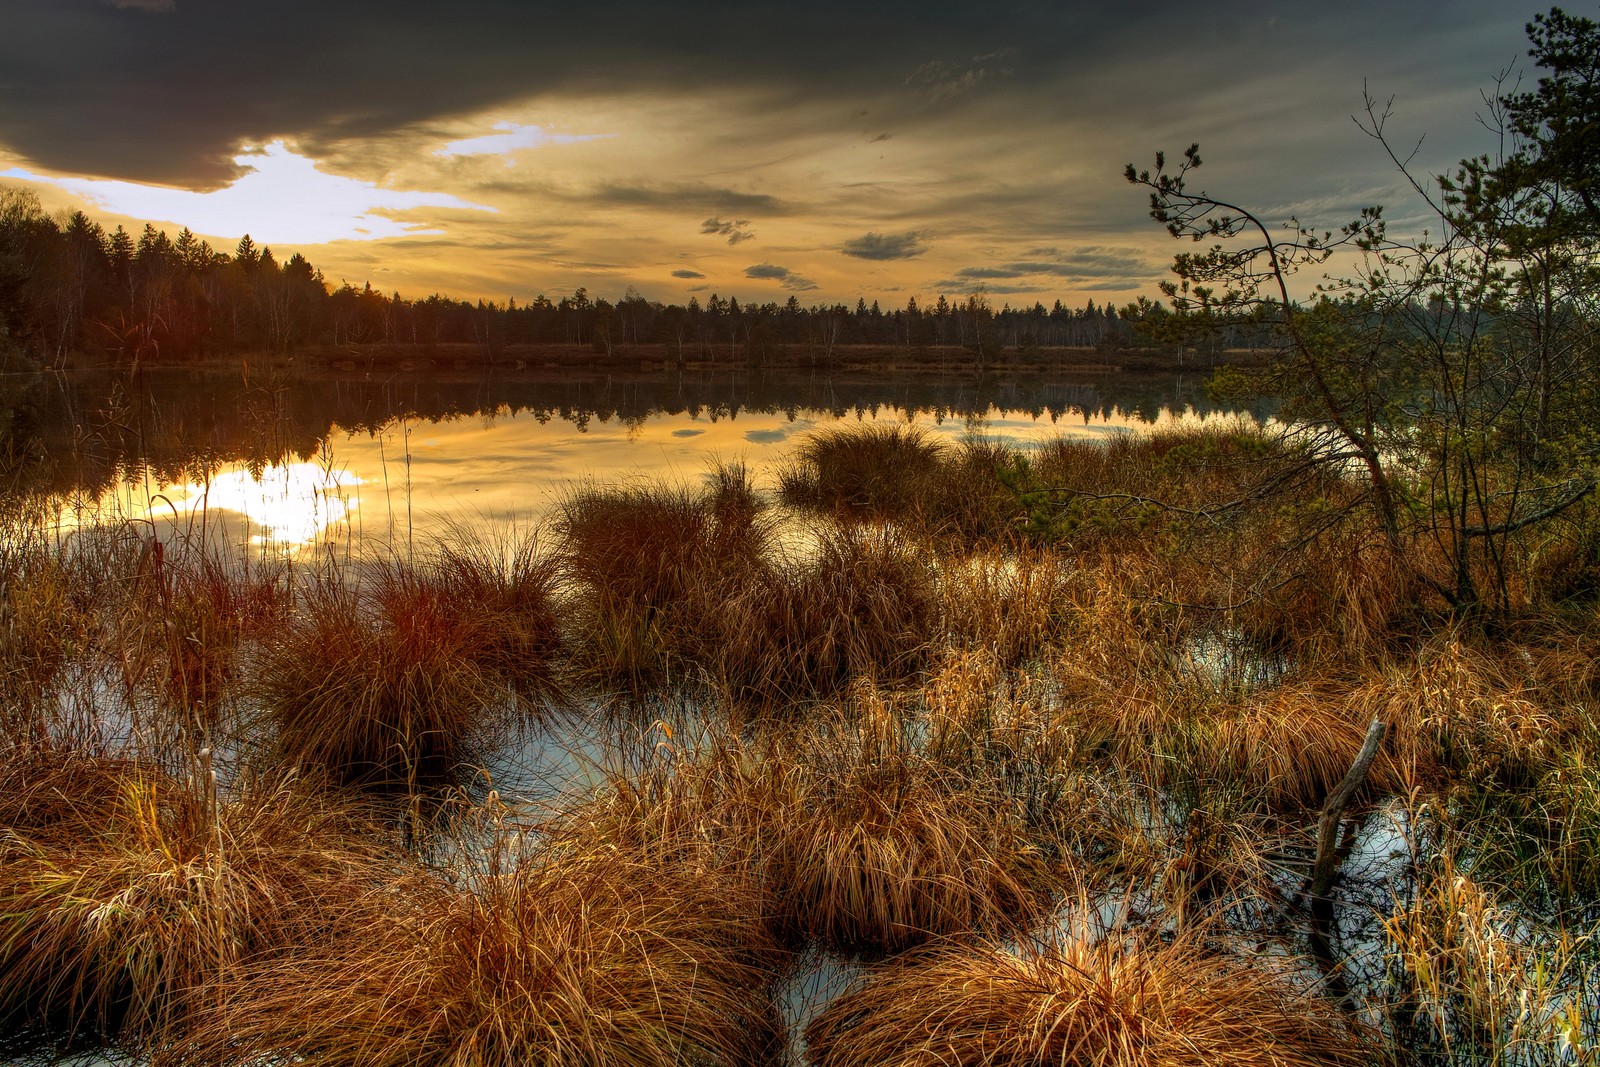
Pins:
x: 292, y: 504
x: 286, y: 507
x: 409, y: 479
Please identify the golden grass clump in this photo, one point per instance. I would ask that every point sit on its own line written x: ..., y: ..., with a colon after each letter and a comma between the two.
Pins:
x: 401, y: 679
x: 863, y: 604
x: 884, y: 849
x: 711, y: 801
x: 515, y: 588
x: 650, y: 566
x: 1008, y: 602
x: 127, y: 894
x: 1480, y: 980
x: 180, y: 640
x: 1458, y: 712
x: 867, y: 470
x: 1082, y: 1004
x: 581, y: 957
x: 42, y: 630
x: 1191, y: 466
x: 972, y: 500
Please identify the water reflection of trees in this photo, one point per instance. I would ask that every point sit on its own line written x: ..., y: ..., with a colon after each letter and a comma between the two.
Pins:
x: 85, y: 431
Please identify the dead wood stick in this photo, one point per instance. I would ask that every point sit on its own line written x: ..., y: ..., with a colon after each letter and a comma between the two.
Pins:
x: 1328, y: 860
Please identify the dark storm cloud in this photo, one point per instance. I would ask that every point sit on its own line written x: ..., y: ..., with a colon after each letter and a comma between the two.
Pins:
x: 884, y: 246
x: 787, y: 278
x: 1083, y: 265
x: 103, y: 88
x: 94, y: 89
x: 735, y: 230
x: 684, y: 197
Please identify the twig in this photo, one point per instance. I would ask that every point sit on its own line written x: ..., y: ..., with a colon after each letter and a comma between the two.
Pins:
x: 1326, y: 864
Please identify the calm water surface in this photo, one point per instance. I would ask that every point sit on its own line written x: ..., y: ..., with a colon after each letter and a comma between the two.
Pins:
x: 292, y: 465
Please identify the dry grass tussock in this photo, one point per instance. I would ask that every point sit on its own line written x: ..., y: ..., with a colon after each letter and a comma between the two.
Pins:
x: 1008, y: 602
x: 1082, y: 1004
x: 1477, y: 979
x: 868, y: 470
x: 955, y: 493
x: 401, y: 678
x: 45, y: 628
x: 710, y: 801
x: 884, y: 849
x: 650, y: 565
x: 1457, y: 712
x: 863, y: 603
x: 570, y: 957
x: 127, y: 895
x: 179, y: 644
x: 674, y: 586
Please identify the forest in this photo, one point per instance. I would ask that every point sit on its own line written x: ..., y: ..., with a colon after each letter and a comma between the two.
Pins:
x: 1267, y: 743
x: 68, y: 287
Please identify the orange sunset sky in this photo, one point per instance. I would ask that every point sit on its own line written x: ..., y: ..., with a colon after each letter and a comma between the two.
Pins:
x: 886, y: 150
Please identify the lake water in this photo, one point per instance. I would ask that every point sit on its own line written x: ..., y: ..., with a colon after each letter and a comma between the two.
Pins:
x: 295, y: 464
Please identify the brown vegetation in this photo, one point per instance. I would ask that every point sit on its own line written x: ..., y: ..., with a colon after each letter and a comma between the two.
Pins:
x: 939, y: 694
x: 1083, y: 1004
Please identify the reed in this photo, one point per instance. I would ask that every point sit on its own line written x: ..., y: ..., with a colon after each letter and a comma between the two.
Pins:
x: 401, y: 679
x: 868, y: 470
x: 1080, y: 1003
x: 585, y: 957
x: 883, y: 850
x: 127, y: 895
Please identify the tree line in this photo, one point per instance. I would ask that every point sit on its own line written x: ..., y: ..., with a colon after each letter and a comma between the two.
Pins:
x: 68, y: 286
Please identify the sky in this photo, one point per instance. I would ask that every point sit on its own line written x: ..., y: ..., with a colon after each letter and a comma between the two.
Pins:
x: 500, y: 149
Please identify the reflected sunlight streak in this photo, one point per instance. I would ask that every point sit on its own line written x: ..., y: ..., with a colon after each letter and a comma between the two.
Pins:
x: 293, y: 504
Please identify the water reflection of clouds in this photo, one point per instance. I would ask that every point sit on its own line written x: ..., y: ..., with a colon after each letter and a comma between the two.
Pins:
x: 286, y: 506
x: 293, y: 504
x: 422, y: 478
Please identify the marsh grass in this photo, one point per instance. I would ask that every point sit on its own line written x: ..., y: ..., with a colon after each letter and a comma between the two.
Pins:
x: 180, y: 639
x: 581, y: 956
x: 884, y: 849
x: 900, y: 717
x: 863, y: 603
x: 651, y: 565
x: 707, y: 800
x: 1478, y: 979
x: 957, y: 494
x: 1074, y: 1002
x: 675, y: 586
x: 42, y: 633
x: 128, y: 894
x: 403, y: 678
x: 869, y: 470
x: 1009, y: 602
